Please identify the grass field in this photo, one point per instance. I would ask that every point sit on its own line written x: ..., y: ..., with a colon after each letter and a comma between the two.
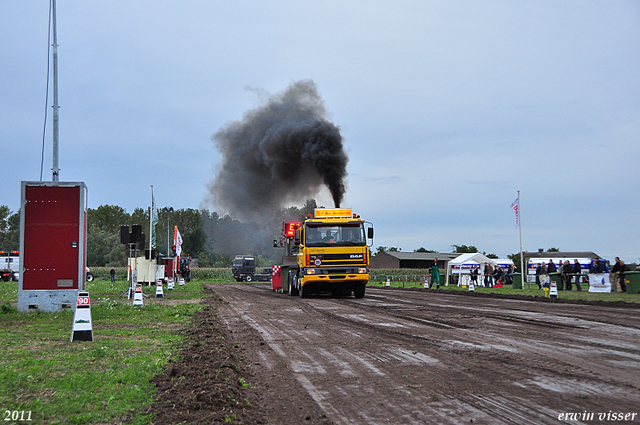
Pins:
x: 529, y: 289
x: 51, y: 380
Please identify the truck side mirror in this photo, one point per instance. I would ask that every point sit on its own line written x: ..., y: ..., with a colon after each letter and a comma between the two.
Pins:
x: 296, y: 237
x: 370, y: 233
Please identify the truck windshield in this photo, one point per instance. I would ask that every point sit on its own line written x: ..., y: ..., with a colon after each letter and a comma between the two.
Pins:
x: 336, y: 235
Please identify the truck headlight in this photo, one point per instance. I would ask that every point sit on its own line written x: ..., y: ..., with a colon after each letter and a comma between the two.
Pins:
x: 363, y: 270
x: 311, y: 271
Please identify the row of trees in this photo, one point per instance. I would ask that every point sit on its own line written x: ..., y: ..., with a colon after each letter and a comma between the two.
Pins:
x: 460, y: 249
x: 212, y: 239
x: 9, y: 229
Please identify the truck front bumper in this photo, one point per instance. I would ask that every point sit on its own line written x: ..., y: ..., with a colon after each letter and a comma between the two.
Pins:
x: 334, y: 277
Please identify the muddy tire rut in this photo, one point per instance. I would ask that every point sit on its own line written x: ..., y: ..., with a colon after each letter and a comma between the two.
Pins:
x: 403, y: 357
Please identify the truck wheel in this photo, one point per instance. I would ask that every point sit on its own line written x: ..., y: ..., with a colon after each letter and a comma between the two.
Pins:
x: 358, y: 291
x: 89, y: 277
x: 305, y: 291
x: 293, y: 291
x: 249, y: 278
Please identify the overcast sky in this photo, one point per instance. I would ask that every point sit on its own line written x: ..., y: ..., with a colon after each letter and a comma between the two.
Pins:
x: 447, y: 108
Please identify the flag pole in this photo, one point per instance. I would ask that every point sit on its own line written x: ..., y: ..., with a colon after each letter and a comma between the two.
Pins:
x: 56, y: 107
x: 522, y: 270
x: 175, y: 257
x: 150, y: 233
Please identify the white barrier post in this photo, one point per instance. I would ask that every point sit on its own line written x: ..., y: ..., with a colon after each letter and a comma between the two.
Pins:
x: 137, y: 295
x: 159, y: 292
x: 82, y: 328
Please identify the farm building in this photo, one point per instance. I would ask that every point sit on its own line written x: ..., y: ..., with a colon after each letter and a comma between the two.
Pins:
x: 559, y: 254
x: 410, y: 260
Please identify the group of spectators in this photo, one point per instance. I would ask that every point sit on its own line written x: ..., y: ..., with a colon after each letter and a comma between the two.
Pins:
x: 568, y: 272
x: 492, y: 276
x: 573, y: 272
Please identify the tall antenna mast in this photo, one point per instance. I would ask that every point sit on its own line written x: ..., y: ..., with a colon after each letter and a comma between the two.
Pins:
x: 55, y: 168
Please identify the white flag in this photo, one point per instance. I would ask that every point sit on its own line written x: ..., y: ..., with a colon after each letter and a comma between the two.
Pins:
x: 516, y: 207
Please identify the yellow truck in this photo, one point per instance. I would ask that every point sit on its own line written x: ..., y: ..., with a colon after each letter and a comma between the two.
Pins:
x: 327, y: 252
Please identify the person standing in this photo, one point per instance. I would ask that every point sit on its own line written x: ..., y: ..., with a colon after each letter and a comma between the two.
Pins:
x: 435, y: 274
x: 615, y: 270
x: 541, y: 271
x: 577, y: 271
x: 488, y: 275
x: 474, y: 275
x: 597, y: 266
x: 497, y: 275
x: 551, y: 268
x: 618, y: 269
x: 112, y: 272
x: 567, y: 272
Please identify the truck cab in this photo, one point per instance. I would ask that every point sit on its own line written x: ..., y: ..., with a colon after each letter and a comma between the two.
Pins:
x: 243, y: 268
x: 332, y: 254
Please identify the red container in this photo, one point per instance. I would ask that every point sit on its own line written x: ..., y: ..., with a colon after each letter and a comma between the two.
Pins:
x: 53, y: 233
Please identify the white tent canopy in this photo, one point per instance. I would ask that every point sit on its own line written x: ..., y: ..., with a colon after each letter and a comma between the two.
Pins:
x: 469, y: 259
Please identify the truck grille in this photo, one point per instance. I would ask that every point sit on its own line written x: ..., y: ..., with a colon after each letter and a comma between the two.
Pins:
x: 355, y: 259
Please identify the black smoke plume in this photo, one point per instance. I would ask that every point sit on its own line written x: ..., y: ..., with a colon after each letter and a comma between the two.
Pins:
x: 280, y: 153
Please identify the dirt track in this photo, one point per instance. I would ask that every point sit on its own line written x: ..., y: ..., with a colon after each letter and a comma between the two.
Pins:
x: 415, y: 357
